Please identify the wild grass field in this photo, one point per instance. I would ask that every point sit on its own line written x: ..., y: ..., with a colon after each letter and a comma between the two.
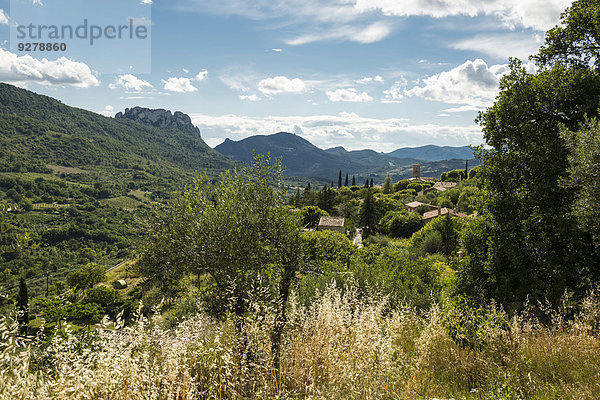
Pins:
x: 342, y: 346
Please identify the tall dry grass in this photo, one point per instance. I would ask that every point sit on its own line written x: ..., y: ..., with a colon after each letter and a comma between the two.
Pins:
x: 341, y: 347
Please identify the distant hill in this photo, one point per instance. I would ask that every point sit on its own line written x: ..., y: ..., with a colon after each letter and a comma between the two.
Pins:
x: 433, y: 153
x: 37, y: 131
x: 302, y: 158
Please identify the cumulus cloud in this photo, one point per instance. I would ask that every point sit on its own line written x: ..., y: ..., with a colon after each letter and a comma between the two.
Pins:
x: 281, y: 84
x: 344, y: 129
x: 62, y: 71
x: 179, y: 85
x: 146, y: 1
x: 472, y: 83
x: 3, y: 17
x: 369, y: 79
x: 396, y: 93
x: 526, y: 13
x: 250, y: 97
x: 202, y: 75
x: 350, y: 95
x: 130, y: 82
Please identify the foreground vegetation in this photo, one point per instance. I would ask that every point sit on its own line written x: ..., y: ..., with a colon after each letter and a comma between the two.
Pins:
x: 340, y: 346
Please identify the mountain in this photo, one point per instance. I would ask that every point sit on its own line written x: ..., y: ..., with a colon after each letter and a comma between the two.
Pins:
x: 302, y: 158
x: 160, y: 118
x: 38, y: 132
x: 82, y: 182
x: 433, y: 153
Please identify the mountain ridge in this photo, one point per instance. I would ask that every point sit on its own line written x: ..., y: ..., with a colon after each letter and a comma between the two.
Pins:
x: 302, y: 158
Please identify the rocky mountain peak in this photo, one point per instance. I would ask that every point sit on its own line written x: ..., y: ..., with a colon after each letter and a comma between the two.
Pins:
x: 160, y: 118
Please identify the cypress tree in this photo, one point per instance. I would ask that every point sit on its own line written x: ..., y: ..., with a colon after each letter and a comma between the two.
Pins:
x: 387, y: 184
x: 353, y: 181
x: 346, y: 182
x: 371, y: 182
x: 340, y: 180
x: 23, y: 305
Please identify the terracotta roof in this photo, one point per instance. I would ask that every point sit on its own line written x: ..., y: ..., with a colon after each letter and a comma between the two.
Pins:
x: 332, y: 221
x: 442, y: 212
x: 441, y: 186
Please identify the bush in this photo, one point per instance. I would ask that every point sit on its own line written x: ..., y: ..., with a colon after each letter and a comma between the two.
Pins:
x: 432, y: 243
x: 311, y: 216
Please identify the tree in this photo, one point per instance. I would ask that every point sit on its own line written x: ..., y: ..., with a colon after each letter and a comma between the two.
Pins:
x: 311, y: 216
x: 353, y: 181
x: 367, y: 215
x: 237, y: 233
x: 584, y: 170
x: 23, y: 306
x: 346, y: 181
x: 86, y: 277
x: 340, y: 179
x: 538, y: 249
x: 387, y: 184
x: 371, y: 184
x: 576, y: 42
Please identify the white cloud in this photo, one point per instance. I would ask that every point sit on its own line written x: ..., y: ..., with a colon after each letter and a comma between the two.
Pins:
x: 369, y: 79
x: 201, y: 75
x: 187, y: 71
x: 350, y: 95
x: 277, y: 50
x: 108, y: 111
x: 472, y: 83
x: 514, y: 44
x: 130, y: 83
x: 526, y: 13
x: 62, y: 71
x: 372, y: 33
x: 281, y: 84
x: 345, y: 129
x: 179, y: 85
x: 463, y: 109
x: 146, y: 1
x: 396, y: 93
x: 3, y: 17
x: 251, y: 97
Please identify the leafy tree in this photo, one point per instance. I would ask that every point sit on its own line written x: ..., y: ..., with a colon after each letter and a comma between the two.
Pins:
x: 401, y: 224
x: 538, y: 249
x: 235, y: 232
x: 584, y: 171
x: 311, y: 216
x: 102, y: 296
x: 575, y: 42
x: 89, y: 313
x: 53, y: 309
x: 86, y: 277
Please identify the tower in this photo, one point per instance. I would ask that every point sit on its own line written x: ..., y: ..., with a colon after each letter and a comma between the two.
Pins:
x: 416, y: 171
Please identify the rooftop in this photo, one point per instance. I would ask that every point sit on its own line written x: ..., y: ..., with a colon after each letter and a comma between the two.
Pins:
x: 332, y: 221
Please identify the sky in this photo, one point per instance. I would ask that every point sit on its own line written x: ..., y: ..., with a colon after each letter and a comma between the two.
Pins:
x: 378, y: 74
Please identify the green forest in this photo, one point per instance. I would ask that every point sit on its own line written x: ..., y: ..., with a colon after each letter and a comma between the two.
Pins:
x: 132, y: 269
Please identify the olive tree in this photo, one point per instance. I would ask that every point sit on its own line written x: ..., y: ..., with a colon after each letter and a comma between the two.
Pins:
x: 235, y: 232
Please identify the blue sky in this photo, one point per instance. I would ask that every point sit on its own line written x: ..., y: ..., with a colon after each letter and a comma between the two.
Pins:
x: 378, y: 74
